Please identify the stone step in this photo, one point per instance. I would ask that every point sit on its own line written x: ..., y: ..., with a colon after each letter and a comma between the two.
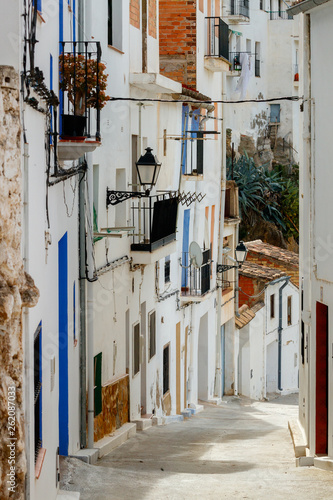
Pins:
x: 157, y: 420
x: 324, y: 463
x: 68, y: 495
x: 304, y: 461
x: 187, y: 413
x: 297, y: 437
x: 170, y: 419
x: 87, y: 455
x: 143, y: 423
x: 196, y: 408
x: 109, y: 443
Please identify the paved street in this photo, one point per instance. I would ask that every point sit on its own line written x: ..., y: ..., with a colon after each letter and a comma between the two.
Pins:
x: 237, y: 450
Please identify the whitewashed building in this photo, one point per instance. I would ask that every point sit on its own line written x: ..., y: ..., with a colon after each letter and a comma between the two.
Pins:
x: 316, y: 264
x: 129, y: 320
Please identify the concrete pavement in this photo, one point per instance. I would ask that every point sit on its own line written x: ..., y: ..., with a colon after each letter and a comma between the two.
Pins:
x: 238, y: 450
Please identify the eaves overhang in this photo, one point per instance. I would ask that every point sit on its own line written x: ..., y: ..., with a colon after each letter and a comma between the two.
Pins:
x: 305, y: 6
x: 155, y: 83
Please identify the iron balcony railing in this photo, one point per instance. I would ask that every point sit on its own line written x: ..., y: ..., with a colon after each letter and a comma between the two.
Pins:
x: 196, y: 280
x: 279, y: 15
x: 240, y: 8
x: 235, y: 59
x: 154, y: 219
x: 81, y: 96
x: 217, y: 32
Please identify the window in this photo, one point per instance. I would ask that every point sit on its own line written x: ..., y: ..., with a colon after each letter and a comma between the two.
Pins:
x: 167, y: 269
x: 98, y: 384
x: 302, y: 342
x: 272, y: 306
x: 289, y: 302
x: 275, y: 113
x: 262, y: 4
x: 257, y: 59
x: 136, y: 349
x: 38, y: 389
x: 166, y: 362
x: 152, y: 333
x: 115, y: 23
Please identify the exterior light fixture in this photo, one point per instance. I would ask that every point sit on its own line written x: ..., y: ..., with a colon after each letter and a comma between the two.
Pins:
x: 240, y: 254
x: 148, y: 168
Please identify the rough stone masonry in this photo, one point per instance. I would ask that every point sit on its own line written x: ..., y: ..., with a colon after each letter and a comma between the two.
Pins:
x: 17, y: 289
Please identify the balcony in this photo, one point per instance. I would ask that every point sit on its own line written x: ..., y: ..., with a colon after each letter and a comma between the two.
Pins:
x: 82, y: 96
x: 195, y: 280
x: 239, y: 12
x: 154, y: 219
x: 279, y: 15
x: 217, y: 45
x: 237, y: 60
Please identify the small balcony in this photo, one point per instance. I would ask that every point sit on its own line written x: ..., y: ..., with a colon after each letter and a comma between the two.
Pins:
x: 237, y: 60
x: 217, y: 45
x: 154, y: 219
x: 280, y: 15
x: 195, y: 280
x: 239, y: 12
x: 82, y: 96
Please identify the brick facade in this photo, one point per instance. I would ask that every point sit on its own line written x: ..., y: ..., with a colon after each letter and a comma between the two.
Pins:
x: 250, y: 286
x: 152, y: 24
x: 264, y: 260
x: 177, y: 33
x: 135, y: 13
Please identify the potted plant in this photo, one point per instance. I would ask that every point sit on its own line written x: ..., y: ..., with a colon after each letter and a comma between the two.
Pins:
x: 79, y: 77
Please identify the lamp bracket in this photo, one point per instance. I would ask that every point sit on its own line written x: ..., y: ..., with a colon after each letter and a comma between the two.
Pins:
x: 115, y: 197
x: 222, y: 268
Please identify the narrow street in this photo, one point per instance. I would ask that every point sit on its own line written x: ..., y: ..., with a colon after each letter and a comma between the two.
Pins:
x: 238, y: 450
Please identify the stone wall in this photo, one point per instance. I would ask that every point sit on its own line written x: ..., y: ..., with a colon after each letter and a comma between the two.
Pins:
x: 115, y: 408
x: 17, y: 289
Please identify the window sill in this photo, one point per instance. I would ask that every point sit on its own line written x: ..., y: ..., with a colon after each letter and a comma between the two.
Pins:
x: 39, y: 462
x: 115, y: 48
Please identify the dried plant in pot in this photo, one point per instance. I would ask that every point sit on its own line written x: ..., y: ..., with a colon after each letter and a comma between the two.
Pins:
x: 85, y: 81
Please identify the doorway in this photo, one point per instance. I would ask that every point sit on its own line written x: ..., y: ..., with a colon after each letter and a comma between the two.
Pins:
x: 321, y: 379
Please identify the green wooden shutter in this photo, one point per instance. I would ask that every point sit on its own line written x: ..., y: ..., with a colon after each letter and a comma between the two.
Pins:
x: 98, y: 383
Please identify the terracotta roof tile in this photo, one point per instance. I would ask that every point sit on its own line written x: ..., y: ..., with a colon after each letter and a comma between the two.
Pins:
x: 245, y: 316
x: 252, y: 270
x: 258, y: 306
x: 286, y: 256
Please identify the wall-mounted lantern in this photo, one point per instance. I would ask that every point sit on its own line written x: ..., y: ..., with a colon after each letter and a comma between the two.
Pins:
x: 240, y: 255
x: 148, y: 168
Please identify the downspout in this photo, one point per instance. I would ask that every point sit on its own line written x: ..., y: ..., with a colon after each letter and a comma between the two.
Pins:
x: 280, y: 332
x: 82, y: 284
x: 219, y: 390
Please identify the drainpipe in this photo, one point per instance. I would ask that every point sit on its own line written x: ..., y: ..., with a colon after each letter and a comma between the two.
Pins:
x: 280, y: 332
x: 82, y: 283
x: 280, y: 329
x: 219, y: 390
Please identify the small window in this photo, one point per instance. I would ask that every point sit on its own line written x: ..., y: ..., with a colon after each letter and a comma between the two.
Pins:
x: 115, y: 24
x: 289, y: 318
x: 38, y: 389
x: 302, y: 342
x: 152, y: 333
x: 272, y: 306
x: 136, y: 349
x: 262, y: 5
x: 98, y: 384
x: 166, y: 362
x: 167, y: 269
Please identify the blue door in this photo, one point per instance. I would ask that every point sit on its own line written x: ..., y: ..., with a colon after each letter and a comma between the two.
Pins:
x: 186, y: 242
x: 275, y: 113
x: 63, y: 343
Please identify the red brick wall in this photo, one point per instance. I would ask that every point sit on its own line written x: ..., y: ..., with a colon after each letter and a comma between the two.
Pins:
x: 263, y: 260
x: 152, y: 27
x: 251, y: 287
x: 135, y: 13
x: 177, y: 32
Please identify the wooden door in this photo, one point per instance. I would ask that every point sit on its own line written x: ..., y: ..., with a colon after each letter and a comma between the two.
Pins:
x: 321, y: 379
x: 178, y: 361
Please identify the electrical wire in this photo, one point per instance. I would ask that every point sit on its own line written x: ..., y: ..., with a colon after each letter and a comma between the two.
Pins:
x: 210, y: 101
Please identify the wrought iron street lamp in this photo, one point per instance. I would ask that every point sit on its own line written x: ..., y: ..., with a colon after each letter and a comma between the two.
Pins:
x: 240, y: 254
x: 148, y: 168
